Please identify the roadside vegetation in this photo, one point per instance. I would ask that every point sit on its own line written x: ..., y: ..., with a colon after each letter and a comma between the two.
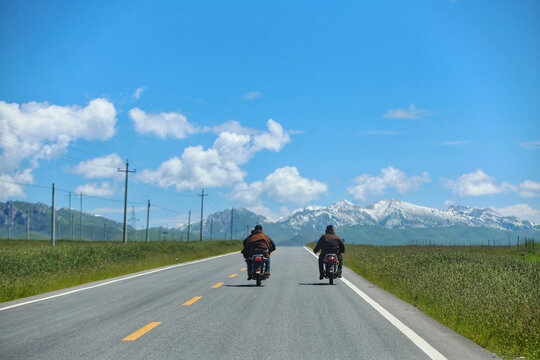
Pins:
x: 33, y: 267
x: 489, y: 294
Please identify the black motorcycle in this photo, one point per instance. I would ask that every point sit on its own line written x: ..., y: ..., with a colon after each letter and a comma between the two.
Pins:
x: 258, y: 268
x: 331, y: 267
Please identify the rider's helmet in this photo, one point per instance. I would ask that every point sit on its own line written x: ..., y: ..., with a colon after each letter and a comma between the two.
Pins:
x: 258, y: 227
x: 329, y: 229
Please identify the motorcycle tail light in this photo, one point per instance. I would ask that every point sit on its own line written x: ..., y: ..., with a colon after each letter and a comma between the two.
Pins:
x: 331, y: 258
x: 258, y: 259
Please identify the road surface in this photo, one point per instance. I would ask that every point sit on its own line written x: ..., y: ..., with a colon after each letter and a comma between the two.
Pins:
x: 208, y: 310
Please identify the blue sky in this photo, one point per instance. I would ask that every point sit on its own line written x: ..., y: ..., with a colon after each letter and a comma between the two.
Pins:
x: 271, y: 105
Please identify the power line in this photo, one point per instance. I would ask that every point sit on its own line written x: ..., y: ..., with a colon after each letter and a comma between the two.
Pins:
x: 169, y: 210
x: 31, y: 185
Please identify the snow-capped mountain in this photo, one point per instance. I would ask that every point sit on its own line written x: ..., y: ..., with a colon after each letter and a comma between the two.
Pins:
x: 396, y: 214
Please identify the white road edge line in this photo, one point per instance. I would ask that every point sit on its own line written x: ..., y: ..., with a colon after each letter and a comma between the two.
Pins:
x: 414, y: 337
x: 117, y: 280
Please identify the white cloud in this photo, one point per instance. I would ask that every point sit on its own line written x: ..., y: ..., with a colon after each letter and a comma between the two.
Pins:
x: 531, y: 145
x: 263, y: 210
x: 34, y: 131
x: 171, y: 124
x: 521, y: 211
x: 252, y: 95
x: 247, y: 193
x: 196, y: 168
x: 411, y: 113
x: 10, y: 185
x: 231, y: 126
x: 529, y: 189
x: 274, y: 139
x: 234, y: 147
x: 284, y: 185
x: 369, y: 185
x: 100, y: 168
x: 219, y: 165
x: 477, y: 183
x: 104, y: 189
x: 137, y: 94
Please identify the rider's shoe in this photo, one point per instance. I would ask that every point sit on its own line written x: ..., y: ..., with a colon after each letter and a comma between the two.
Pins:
x: 268, y: 273
x: 321, y: 277
x: 249, y: 276
x: 339, y: 274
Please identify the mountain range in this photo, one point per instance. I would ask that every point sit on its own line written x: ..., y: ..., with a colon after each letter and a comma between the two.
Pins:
x: 385, y: 222
x: 396, y: 214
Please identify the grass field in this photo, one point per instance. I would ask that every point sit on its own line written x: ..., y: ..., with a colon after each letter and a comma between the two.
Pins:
x: 33, y: 267
x: 489, y: 294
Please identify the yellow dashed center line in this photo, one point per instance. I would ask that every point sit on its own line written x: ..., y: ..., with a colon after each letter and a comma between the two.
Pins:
x: 233, y: 275
x: 243, y: 269
x: 196, y: 298
x: 141, y: 331
x: 217, y: 285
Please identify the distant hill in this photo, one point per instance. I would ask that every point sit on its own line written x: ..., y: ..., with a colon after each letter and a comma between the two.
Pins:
x: 40, y: 223
x: 387, y: 222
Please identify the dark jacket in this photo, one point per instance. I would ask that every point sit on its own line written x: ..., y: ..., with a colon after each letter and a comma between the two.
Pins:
x: 258, y: 243
x: 330, y: 243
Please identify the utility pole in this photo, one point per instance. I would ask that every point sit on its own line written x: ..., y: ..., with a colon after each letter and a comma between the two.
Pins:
x: 80, y: 215
x: 232, y: 217
x: 124, y: 236
x: 70, y: 227
x: 189, y: 225
x: 202, y: 206
x: 8, y: 221
x: 52, y: 218
x: 211, y: 227
x: 27, y: 224
x: 147, y: 220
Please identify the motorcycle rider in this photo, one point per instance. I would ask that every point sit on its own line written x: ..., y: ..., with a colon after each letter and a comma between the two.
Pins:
x: 258, y: 243
x: 329, y: 243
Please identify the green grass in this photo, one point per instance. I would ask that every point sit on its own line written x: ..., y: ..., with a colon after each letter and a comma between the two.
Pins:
x: 490, y: 295
x: 33, y: 267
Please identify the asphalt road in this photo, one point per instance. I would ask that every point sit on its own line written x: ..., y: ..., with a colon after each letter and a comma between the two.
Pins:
x: 184, y: 313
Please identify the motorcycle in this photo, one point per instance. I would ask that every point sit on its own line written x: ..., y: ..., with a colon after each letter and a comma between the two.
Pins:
x: 258, y: 268
x: 331, y: 267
